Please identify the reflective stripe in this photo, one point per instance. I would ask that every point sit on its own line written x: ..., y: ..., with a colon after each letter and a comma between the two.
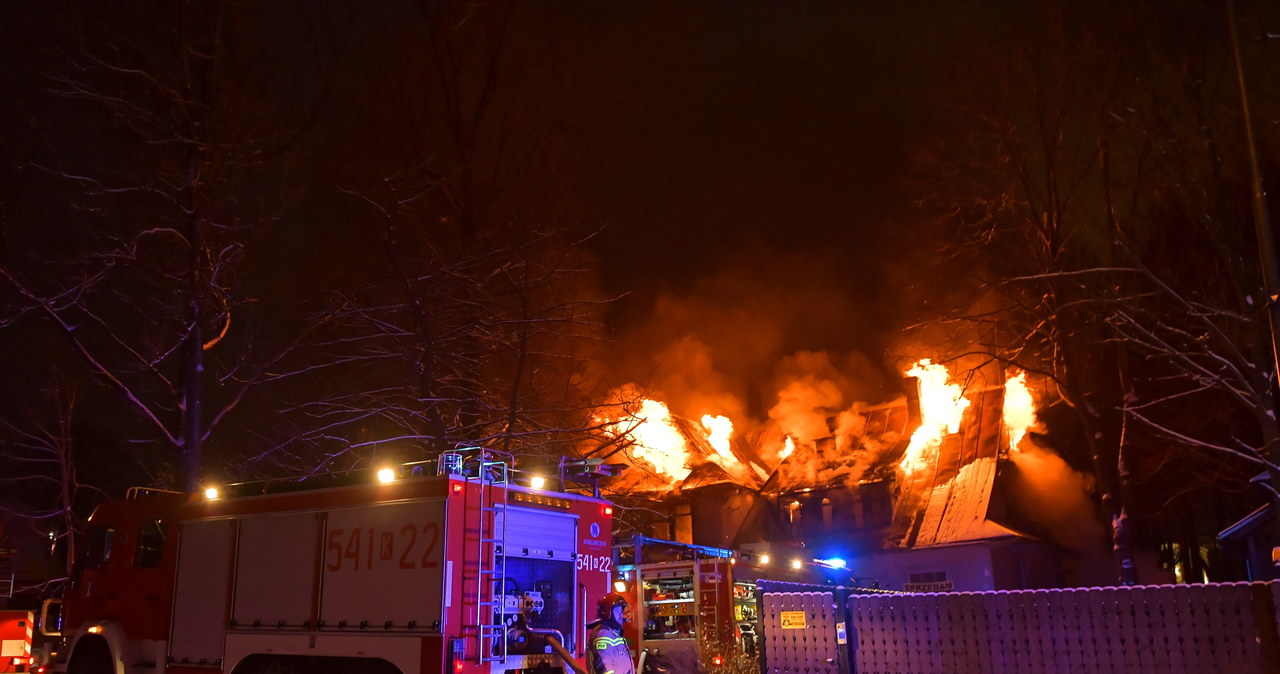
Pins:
x: 602, y: 643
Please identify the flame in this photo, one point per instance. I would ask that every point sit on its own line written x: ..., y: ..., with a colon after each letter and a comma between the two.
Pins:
x: 719, y: 432
x: 787, y: 448
x: 1019, y: 409
x: 657, y: 440
x: 942, y: 406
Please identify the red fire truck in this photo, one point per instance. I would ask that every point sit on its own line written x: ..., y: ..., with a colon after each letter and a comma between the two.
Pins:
x: 691, y: 611
x: 460, y: 570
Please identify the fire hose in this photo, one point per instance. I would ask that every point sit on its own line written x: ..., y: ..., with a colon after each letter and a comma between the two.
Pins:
x: 551, y: 636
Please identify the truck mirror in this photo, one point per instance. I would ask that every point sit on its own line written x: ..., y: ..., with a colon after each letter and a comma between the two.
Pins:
x: 51, y: 618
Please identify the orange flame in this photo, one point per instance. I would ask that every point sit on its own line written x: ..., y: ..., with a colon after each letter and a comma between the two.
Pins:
x: 942, y: 406
x: 657, y: 440
x: 787, y: 448
x: 1019, y: 409
x: 719, y: 433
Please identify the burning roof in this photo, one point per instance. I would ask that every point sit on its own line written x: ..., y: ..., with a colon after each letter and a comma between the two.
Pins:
x: 940, y: 451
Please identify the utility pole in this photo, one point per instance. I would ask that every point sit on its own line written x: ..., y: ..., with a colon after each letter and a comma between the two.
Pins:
x: 1261, y: 219
x: 1267, y: 257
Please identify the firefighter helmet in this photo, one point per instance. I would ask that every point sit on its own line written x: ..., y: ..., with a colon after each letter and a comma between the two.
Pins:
x: 604, y: 608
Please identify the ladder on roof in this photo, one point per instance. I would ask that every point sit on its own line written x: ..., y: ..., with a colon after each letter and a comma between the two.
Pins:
x: 491, y: 470
x: 8, y: 584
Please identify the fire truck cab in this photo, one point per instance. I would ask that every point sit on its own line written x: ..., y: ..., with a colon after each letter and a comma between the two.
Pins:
x: 690, y: 612
x: 457, y: 569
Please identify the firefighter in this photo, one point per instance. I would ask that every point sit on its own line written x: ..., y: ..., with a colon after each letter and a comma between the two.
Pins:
x: 609, y: 651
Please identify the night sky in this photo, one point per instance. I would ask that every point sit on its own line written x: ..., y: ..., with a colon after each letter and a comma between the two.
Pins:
x: 743, y: 162
x: 747, y: 176
x: 749, y: 163
x: 722, y: 125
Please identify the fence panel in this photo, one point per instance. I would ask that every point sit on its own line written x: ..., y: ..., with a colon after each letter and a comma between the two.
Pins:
x: 1223, y: 628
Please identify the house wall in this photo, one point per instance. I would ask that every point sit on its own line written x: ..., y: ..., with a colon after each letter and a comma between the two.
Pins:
x: 849, y: 524
x: 965, y: 567
x: 1024, y: 564
x: 719, y: 514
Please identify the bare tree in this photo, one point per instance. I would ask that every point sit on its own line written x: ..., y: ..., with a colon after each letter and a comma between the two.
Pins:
x: 39, y: 471
x: 157, y: 165
x: 1099, y: 208
x: 467, y: 311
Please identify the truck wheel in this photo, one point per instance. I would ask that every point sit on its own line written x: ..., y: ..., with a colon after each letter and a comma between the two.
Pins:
x: 302, y: 664
x: 92, y: 656
x: 266, y: 664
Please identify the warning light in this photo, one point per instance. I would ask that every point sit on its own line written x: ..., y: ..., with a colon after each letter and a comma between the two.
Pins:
x: 608, y: 511
x: 538, y: 482
x: 796, y: 564
x: 457, y: 665
x: 95, y: 629
x: 457, y: 487
x: 386, y: 476
x: 211, y: 493
x: 764, y: 559
x: 619, y: 585
x: 717, y: 661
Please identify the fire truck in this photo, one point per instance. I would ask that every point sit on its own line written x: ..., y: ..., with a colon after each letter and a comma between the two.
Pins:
x: 453, y: 567
x: 694, y: 605
x: 16, y: 629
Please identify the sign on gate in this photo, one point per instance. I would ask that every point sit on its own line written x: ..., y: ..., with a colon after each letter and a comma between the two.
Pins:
x: 792, y: 620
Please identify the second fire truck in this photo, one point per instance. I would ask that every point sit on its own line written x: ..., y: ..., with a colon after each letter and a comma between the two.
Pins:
x: 460, y: 570
x: 694, y: 607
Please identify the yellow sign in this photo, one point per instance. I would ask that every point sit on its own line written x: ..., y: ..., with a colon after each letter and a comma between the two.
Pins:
x: 793, y: 620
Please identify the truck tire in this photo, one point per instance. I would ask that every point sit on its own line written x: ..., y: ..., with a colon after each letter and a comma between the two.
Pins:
x: 92, y: 656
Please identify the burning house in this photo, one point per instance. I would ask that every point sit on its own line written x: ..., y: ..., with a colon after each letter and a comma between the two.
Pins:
x: 922, y: 493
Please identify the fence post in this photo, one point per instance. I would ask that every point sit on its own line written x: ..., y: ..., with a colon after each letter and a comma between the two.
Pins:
x: 848, y: 658
x: 1264, y: 616
x: 761, y: 656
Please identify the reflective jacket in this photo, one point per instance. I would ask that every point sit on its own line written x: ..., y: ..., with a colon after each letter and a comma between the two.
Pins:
x: 609, y: 651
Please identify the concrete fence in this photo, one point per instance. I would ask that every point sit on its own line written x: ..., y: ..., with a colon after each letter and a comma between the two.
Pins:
x: 1223, y: 628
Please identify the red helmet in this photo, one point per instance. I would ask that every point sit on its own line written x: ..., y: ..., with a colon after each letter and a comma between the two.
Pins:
x: 604, y: 608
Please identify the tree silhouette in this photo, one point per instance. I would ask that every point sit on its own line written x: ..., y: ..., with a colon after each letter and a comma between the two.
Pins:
x: 1102, y: 219
x: 154, y: 160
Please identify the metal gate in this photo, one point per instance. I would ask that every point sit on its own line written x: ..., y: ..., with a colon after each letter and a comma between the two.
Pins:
x: 802, y: 632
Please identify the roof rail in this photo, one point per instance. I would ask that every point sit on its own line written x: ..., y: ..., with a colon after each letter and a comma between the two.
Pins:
x: 139, y: 492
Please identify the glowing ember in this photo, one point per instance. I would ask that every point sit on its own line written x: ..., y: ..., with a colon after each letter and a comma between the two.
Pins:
x: 657, y: 440
x: 787, y: 448
x: 1019, y: 409
x: 719, y: 432
x: 942, y: 406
